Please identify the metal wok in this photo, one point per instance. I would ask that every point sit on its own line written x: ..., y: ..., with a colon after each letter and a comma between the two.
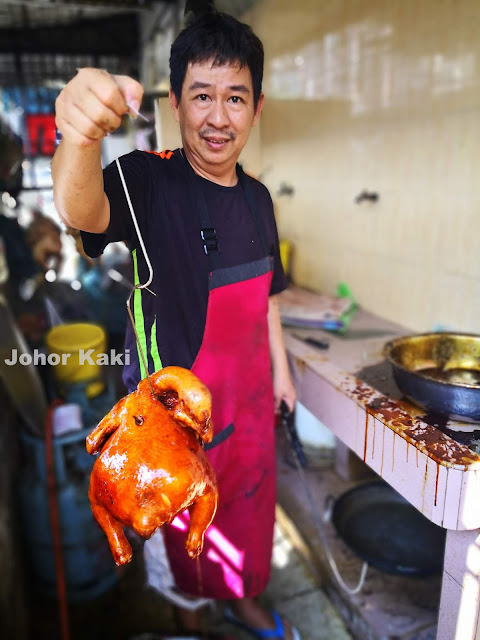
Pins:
x: 440, y: 372
x: 386, y: 531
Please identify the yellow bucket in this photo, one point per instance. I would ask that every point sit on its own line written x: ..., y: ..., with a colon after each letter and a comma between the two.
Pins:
x: 72, y: 343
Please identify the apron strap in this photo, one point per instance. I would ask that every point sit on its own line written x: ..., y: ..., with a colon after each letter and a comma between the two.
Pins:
x: 250, y: 198
x: 208, y: 232
x: 220, y: 437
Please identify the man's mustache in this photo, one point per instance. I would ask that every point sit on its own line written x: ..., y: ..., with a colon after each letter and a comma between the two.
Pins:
x: 211, y: 133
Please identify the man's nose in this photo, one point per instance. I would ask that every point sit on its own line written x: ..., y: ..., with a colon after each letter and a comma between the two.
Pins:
x: 218, y: 115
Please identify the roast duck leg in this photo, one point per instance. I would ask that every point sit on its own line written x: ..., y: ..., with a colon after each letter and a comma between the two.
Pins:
x: 151, y: 464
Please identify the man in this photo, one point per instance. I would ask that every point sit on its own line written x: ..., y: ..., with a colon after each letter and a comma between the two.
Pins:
x: 210, y: 234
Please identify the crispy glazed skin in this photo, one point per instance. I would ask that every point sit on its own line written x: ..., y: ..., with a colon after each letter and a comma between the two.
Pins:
x: 152, y: 465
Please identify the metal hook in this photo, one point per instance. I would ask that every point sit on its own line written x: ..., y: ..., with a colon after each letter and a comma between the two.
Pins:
x: 137, y: 286
x: 139, y: 235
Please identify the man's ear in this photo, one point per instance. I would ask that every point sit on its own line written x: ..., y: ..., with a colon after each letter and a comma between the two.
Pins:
x: 174, y: 104
x: 258, y: 110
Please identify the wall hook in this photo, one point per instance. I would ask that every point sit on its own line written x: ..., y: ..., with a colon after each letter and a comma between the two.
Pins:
x: 372, y: 196
x: 285, y: 189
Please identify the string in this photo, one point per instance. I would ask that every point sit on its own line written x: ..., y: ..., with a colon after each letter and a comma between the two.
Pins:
x: 137, y: 112
x: 137, y: 339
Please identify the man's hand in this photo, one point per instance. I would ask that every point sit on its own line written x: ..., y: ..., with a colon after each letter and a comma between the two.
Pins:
x: 283, y: 389
x: 92, y: 105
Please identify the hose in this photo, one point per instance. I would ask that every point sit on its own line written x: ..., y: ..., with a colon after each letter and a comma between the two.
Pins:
x: 318, y: 524
x: 55, y: 523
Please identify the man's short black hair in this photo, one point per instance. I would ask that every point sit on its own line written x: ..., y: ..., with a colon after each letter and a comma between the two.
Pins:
x: 221, y: 38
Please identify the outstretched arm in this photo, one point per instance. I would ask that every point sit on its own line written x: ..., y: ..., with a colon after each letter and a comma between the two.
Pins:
x: 89, y: 107
x: 283, y: 388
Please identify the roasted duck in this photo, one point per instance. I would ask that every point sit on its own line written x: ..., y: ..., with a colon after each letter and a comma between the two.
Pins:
x: 151, y: 464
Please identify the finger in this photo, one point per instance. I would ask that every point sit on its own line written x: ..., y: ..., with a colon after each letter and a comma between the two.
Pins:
x: 91, y: 107
x: 289, y: 401
x: 291, y: 404
x: 70, y: 120
x: 73, y: 136
x: 131, y: 90
x: 86, y: 126
x: 103, y: 86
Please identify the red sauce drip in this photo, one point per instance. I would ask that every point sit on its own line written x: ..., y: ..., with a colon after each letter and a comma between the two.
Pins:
x: 383, y: 449
x: 366, y: 436
x: 393, y: 451
x: 373, y: 445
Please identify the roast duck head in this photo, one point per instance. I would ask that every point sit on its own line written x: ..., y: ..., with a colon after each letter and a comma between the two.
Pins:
x: 152, y: 465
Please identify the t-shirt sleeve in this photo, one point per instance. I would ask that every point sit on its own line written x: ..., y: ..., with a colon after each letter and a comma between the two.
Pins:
x: 279, y: 280
x: 120, y: 228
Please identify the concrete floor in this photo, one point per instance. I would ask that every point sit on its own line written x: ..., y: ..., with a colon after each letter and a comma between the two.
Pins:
x: 294, y: 592
x: 389, y: 606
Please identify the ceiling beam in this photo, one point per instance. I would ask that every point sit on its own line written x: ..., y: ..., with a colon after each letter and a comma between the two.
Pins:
x: 114, y: 35
x: 110, y: 5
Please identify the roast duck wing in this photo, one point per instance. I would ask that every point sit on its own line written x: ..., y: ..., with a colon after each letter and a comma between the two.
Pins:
x: 151, y: 464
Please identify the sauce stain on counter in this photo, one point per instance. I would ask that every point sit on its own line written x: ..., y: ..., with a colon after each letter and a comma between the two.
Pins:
x: 425, y: 478
x: 408, y: 421
x: 300, y: 364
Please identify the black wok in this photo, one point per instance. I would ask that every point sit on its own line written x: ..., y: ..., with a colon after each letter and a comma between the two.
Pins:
x: 386, y: 531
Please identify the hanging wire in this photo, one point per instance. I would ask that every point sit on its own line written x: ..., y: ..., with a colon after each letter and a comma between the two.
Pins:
x: 137, y: 286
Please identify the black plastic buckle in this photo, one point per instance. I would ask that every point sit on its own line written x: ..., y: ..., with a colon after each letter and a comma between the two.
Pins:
x: 210, y: 242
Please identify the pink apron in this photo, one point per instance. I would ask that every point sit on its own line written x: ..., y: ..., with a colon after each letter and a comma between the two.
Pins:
x: 234, y: 362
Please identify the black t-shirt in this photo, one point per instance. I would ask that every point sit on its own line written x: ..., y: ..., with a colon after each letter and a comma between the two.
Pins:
x: 170, y: 226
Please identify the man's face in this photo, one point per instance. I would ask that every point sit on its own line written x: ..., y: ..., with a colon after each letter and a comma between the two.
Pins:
x: 216, y: 113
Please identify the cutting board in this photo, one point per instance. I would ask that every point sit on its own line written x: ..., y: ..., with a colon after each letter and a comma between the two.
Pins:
x: 303, y: 308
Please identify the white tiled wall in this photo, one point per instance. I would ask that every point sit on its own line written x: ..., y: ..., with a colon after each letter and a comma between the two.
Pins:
x: 382, y: 95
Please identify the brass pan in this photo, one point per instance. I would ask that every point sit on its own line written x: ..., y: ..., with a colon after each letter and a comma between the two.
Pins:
x: 440, y: 372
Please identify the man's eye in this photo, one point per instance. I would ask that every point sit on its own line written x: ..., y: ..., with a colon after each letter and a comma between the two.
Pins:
x: 236, y: 99
x: 202, y: 97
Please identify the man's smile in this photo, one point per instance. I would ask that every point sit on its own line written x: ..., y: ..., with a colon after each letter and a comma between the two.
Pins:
x: 217, y: 140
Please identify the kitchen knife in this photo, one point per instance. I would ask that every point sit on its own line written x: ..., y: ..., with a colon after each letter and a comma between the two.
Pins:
x: 314, y: 342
